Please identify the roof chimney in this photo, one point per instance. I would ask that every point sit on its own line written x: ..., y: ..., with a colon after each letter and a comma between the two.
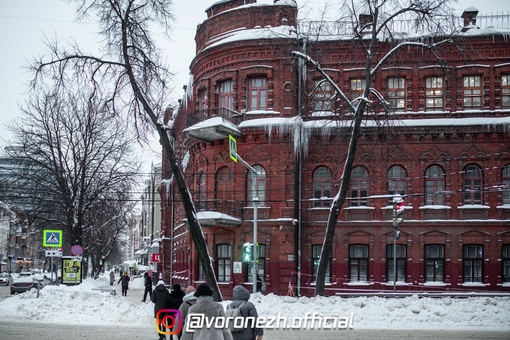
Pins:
x: 469, y: 16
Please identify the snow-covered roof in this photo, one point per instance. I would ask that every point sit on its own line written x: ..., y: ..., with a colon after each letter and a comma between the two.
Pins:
x: 212, y: 129
x: 209, y: 218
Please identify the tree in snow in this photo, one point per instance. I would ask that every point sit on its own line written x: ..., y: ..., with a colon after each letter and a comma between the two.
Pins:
x: 133, y: 80
x: 371, y: 21
x: 76, y: 167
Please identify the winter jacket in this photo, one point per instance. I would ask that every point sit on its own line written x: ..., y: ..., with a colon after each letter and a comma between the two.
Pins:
x: 175, y: 299
x: 241, y: 294
x: 187, y: 301
x: 125, y: 280
x: 160, y: 298
x: 147, y: 281
x: 205, y: 305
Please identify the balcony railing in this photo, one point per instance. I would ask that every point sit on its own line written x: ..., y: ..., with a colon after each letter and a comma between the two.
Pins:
x: 231, y: 208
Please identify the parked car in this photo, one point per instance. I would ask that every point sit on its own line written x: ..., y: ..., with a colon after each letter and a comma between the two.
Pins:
x: 6, y: 279
x: 43, y: 279
x: 24, y: 283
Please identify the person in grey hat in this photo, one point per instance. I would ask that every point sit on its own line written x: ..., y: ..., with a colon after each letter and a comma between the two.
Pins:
x: 210, y: 309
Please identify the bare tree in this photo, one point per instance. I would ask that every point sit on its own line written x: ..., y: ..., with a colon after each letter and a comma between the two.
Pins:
x: 75, y: 161
x: 368, y: 22
x: 132, y: 78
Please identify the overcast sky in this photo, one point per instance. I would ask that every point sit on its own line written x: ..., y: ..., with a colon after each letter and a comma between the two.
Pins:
x: 24, y: 23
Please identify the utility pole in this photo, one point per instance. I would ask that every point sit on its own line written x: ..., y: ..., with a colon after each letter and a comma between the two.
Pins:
x: 398, y: 209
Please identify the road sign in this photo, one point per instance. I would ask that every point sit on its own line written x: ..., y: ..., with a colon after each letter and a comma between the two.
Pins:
x: 76, y: 250
x: 53, y: 253
x: 232, y: 148
x: 52, y: 238
x: 155, y: 258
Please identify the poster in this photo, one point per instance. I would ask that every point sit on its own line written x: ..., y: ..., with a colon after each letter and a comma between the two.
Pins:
x: 71, y: 271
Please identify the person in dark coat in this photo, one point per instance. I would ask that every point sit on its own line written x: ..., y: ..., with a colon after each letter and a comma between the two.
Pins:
x: 175, y: 298
x: 125, y: 283
x: 148, y: 286
x: 161, y: 298
x: 242, y: 295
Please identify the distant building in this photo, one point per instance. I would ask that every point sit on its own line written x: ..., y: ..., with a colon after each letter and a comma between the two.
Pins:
x: 445, y: 148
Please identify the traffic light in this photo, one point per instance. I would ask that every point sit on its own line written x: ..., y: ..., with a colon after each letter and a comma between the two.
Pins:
x: 247, y: 253
x: 398, y: 210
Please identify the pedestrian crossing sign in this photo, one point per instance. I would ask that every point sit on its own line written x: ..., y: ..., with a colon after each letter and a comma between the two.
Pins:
x: 52, y: 238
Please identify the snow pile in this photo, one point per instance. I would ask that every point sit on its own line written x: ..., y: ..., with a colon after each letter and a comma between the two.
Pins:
x: 86, y: 305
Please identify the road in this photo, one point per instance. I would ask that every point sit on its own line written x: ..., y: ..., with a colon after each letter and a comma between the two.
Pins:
x: 19, y: 329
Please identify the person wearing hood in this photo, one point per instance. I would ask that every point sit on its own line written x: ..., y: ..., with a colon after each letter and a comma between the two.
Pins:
x: 210, y: 309
x: 188, y: 300
x: 241, y: 296
x: 160, y: 297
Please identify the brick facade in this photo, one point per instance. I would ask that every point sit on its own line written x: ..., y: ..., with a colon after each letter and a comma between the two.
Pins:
x: 452, y: 139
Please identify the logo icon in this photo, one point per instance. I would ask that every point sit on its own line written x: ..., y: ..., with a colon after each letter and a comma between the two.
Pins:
x: 166, y: 319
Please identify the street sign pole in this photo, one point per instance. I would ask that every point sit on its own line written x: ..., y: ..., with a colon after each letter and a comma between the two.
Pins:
x: 235, y: 156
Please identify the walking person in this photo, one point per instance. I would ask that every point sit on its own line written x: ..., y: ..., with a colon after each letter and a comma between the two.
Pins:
x: 148, y: 286
x: 161, y: 298
x: 125, y: 283
x: 241, y: 296
x: 188, y: 300
x: 112, y: 277
x: 210, y: 309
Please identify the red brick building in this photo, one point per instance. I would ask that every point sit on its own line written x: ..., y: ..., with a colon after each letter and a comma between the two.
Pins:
x: 445, y: 146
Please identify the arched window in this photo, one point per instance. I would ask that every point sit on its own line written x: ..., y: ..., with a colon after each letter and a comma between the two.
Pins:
x: 322, y: 186
x: 505, y: 177
x: 257, y: 190
x: 472, y: 185
x: 224, y: 190
x: 434, y: 185
x: 396, y: 181
x: 202, y: 194
x: 359, y: 186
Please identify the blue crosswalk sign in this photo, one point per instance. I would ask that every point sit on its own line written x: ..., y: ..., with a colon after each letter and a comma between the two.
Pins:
x: 52, y: 238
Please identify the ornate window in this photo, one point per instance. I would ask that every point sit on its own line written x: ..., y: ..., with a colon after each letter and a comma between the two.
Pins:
x: 434, y: 185
x: 397, y: 94
x: 359, y: 186
x: 434, y: 94
x: 434, y: 263
x: 473, y: 263
x: 257, y: 94
x: 260, y: 190
x: 226, y: 97
x: 396, y: 181
x: 358, y: 263
x: 473, y: 92
x: 472, y: 185
x: 223, y: 262
x: 401, y: 263
x: 322, y: 95
x: 322, y: 186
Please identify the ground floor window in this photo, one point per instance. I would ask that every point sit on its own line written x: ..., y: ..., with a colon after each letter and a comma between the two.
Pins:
x: 223, y: 262
x: 316, y: 253
x: 434, y: 263
x: 261, y: 264
x: 358, y: 263
x: 401, y: 263
x: 472, y: 262
x: 506, y: 263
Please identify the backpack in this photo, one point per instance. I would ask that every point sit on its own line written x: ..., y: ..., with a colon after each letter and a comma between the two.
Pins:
x: 234, y: 312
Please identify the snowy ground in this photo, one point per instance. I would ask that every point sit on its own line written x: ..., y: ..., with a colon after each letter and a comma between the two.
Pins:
x: 57, y: 303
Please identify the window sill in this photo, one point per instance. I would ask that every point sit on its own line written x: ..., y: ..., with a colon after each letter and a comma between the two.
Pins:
x: 325, y: 283
x: 399, y: 283
x: 358, y: 284
x: 359, y: 208
x: 504, y: 206
x: 472, y: 284
x: 435, y: 284
x: 473, y: 206
x: 435, y: 207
